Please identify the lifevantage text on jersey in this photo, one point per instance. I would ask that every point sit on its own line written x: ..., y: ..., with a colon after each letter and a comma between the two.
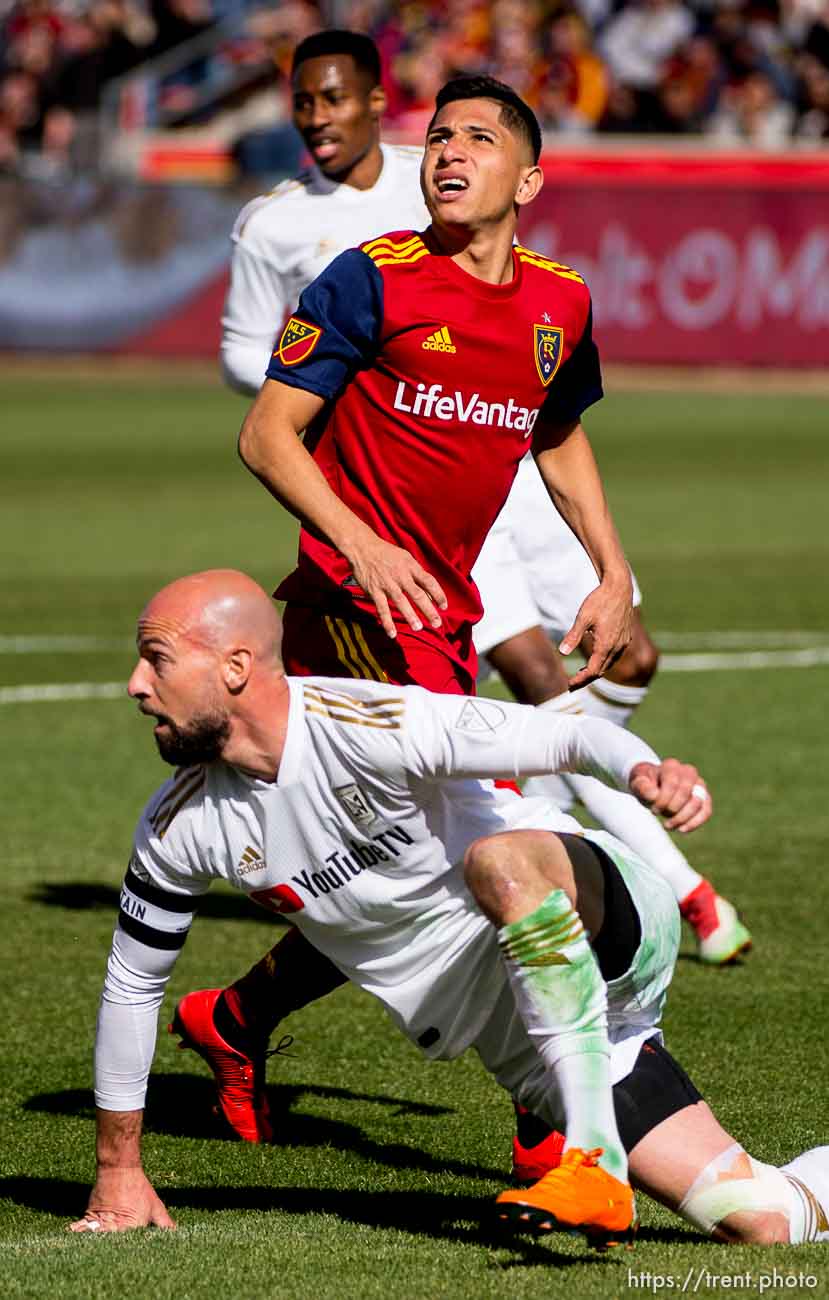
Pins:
x: 433, y: 403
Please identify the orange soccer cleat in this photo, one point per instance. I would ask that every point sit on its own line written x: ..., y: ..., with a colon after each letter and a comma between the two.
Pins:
x: 239, y: 1076
x: 577, y: 1197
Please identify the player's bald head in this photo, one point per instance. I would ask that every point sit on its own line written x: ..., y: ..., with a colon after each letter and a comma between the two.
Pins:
x: 218, y: 610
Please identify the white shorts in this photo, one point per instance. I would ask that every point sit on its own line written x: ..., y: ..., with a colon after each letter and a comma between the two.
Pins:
x: 532, y: 570
x: 461, y: 997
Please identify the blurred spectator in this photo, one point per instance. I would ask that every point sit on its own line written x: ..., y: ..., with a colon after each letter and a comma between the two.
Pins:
x: 640, y: 40
x: 177, y: 21
x: 752, y: 112
x: 817, y: 37
x: 421, y: 76
x: 32, y: 15
x: 573, y: 95
x: 813, y: 106
x: 690, y: 87
x: 110, y: 38
x: 749, y: 71
x: 21, y: 116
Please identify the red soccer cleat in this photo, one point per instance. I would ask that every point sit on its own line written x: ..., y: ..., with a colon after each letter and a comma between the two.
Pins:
x: 240, y: 1078
x: 720, y: 934
x: 536, y: 1149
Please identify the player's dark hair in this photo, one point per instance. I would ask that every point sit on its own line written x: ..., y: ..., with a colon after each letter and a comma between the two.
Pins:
x: 517, y: 116
x: 337, y: 40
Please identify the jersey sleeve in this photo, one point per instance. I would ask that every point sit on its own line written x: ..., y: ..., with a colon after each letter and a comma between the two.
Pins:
x: 254, y: 310
x: 159, y: 898
x: 452, y: 736
x: 578, y: 382
x: 335, y: 330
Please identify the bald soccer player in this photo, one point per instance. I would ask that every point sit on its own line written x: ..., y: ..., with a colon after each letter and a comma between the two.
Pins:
x: 365, y: 812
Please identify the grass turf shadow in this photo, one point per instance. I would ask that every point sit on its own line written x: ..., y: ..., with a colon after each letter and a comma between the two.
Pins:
x: 81, y: 896
x: 462, y: 1219
x: 181, y: 1105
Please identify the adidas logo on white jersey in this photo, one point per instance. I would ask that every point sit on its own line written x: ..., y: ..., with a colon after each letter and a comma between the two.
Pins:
x: 251, y: 860
x: 440, y: 341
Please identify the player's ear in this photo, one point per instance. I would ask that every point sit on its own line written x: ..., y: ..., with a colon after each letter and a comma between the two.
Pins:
x: 529, y: 185
x: 377, y: 101
x: 236, y: 669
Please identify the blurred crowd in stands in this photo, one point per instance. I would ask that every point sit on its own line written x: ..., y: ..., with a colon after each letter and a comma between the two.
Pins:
x: 750, y: 72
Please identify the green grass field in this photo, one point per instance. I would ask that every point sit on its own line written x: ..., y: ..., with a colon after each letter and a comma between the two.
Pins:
x: 381, y: 1186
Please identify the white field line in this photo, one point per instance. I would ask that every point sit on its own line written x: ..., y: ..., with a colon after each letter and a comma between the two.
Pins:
x: 53, y: 691
x: 724, y: 639
x: 708, y: 663
x: 61, y: 645
x: 691, y: 663
x: 730, y: 639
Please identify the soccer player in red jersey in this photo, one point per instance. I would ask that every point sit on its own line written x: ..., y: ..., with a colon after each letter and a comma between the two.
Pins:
x: 422, y: 365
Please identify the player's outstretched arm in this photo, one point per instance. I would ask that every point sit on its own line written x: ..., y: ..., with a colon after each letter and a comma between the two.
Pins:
x: 122, y: 1198
x: 673, y: 790
x: 270, y: 446
x: 566, y: 463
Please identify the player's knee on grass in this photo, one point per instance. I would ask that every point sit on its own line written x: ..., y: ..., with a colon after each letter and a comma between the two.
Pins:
x: 510, y: 874
x: 638, y: 663
x: 753, y: 1229
x: 530, y: 666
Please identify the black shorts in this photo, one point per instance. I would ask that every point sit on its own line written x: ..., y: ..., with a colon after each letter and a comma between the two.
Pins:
x: 656, y: 1088
x: 616, y: 943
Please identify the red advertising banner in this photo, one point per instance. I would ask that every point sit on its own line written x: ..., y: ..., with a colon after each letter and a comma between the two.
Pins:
x: 715, y: 261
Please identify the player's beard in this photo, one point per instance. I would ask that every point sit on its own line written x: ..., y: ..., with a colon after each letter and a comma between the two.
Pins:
x: 201, y: 740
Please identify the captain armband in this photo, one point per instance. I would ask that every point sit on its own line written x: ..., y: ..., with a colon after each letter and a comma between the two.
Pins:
x: 153, y: 916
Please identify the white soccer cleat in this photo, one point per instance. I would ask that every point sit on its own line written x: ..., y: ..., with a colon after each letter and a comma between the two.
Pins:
x: 721, y: 935
x: 810, y: 1174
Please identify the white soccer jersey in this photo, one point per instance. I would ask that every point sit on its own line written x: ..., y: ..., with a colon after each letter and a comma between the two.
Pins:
x: 283, y: 240
x: 361, y: 840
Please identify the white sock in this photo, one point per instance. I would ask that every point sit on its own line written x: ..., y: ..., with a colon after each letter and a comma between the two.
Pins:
x: 562, y: 1000
x: 809, y: 1175
x: 604, y: 699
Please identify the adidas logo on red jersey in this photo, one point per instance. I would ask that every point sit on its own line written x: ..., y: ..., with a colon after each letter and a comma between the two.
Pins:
x: 439, y: 341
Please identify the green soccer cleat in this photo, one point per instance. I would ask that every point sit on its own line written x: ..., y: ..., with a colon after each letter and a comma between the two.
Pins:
x: 721, y: 935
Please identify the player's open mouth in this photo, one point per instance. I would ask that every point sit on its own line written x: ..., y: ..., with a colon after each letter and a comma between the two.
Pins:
x: 323, y: 149
x: 450, y: 186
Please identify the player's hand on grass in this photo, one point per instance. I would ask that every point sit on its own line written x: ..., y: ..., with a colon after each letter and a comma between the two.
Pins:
x: 605, y: 621
x: 393, y: 578
x: 674, y: 791
x: 122, y: 1199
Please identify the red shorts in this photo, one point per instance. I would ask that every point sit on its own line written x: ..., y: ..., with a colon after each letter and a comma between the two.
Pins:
x: 325, y: 643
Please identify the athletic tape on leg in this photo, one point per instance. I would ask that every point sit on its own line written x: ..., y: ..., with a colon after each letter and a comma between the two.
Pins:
x: 716, y: 1193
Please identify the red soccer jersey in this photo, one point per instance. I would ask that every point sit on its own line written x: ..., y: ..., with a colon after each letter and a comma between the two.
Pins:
x: 436, y: 380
